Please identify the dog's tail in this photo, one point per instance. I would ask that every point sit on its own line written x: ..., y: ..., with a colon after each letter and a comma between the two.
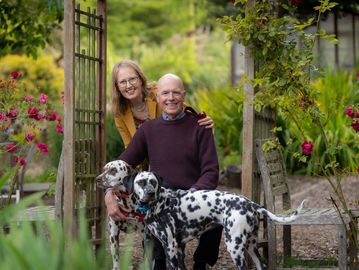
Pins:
x: 290, y: 218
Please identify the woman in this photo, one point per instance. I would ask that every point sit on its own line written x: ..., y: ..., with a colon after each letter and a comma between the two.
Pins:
x: 133, y: 101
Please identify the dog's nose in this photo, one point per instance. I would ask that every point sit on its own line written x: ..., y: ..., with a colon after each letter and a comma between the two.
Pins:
x: 151, y: 193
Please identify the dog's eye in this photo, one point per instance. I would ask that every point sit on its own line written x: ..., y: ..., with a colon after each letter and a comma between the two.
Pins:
x: 113, y: 171
x: 153, y: 182
x: 141, y: 182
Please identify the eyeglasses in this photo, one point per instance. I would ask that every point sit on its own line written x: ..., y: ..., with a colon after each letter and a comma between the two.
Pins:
x: 123, y: 83
x: 175, y: 93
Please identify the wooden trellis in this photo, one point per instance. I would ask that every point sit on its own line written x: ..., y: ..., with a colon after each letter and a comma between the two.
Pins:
x: 84, y: 114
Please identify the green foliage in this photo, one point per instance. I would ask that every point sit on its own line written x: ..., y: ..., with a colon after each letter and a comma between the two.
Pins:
x: 114, y: 144
x: 224, y: 106
x: 41, y: 74
x: 26, y: 25
x: 335, y: 91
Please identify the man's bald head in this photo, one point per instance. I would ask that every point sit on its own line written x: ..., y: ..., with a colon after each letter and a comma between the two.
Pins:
x: 170, y: 77
x: 170, y: 94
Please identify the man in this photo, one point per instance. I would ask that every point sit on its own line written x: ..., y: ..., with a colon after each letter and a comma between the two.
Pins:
x: 183, y: 153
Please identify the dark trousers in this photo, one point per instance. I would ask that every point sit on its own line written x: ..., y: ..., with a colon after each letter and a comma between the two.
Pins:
x: 206, y: 252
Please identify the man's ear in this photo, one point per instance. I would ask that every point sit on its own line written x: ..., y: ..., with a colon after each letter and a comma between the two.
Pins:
x: 128, y: 182
x: 159, y: 178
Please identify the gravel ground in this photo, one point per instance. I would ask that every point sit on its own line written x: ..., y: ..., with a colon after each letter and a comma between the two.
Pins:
x: 308, y: 242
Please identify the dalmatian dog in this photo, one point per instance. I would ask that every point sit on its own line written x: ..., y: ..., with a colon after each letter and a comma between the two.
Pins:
x: 178, y: 216
x: 112, y: 177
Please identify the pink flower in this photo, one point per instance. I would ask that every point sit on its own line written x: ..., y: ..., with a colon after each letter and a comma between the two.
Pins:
x: 59, y: 118
x: 42, y: 147
x: 59, y: 128
x: 349, y: 111
x: 28, y: 98
x: 51, y: 116
x: 358, y: 169
x: 12, y: 114
x: 355, y: 125
x: 19, y: 160
x: 14, y: 74
x: 39, y: 117
x: 43, y: 98
x: 307, y: 148
x: 2, y: 116
x: 29, y: 137
x: 296, y: 2
x: 11, y: 147
x: 32, y: 112
x: 357, y: 75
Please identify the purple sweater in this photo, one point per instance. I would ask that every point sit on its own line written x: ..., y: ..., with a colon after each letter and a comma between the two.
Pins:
x: 180, y: 151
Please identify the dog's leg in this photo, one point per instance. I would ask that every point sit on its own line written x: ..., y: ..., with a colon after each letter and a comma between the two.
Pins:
x: 114, y: 234
x: 254, y: 253
x: 235, y: 241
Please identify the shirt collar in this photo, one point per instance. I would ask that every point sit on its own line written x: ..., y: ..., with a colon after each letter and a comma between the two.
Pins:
x: 179, y: 116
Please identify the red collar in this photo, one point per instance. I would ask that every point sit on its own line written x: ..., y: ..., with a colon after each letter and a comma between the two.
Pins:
x: 120, y: 194
x: 139, y: 217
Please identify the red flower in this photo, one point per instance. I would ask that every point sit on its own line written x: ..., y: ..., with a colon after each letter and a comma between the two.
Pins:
x: 296, y: 2
x: 11, y: 147
x: 28, y: 98
x: 307, y: 148
x: 51, y: 116
x: 357, y: 75
x: 33, y: 112
x: 355, y: 125
x: 358, y: 169
x: 43, y: 98
x: 59, y: 128
x: 349, y: 111
x: 19, y: 160
x: 12, y: 114
x: 2, y: 116
x: 15, y: 74
x: 39, y: 116
x: 42, y: 147
x: 29, y: 137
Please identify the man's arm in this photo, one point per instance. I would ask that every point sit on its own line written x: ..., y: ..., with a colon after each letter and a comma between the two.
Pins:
x: 134, y: 154
x: 208, y: 161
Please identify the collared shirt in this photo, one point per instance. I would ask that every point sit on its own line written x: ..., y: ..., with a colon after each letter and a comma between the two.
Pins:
x: 178, y: 116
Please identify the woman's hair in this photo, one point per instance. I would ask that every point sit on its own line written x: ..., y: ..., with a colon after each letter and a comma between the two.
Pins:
x: 119, y: 104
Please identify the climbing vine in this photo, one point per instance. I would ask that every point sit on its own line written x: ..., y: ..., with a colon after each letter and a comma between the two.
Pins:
x: 283, y: 53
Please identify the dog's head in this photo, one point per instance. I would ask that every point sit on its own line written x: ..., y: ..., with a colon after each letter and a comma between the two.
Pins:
x: 145, y: 185
x: 113, y: 174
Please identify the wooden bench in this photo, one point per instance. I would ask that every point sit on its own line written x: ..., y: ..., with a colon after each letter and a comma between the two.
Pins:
x: 274, y: 178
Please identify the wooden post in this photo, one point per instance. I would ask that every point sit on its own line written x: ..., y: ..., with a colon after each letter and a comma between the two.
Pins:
x: 69, y: 160
x: 248, y: 124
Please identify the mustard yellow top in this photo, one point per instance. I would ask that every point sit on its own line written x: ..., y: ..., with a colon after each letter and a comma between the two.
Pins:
x: 126, y: 123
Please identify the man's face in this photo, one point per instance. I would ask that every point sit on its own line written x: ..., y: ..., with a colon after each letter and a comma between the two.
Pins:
x: 170, y: 96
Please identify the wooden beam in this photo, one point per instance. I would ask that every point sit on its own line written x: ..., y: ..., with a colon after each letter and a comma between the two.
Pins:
x: 248, y: 123
x: 69, y: 160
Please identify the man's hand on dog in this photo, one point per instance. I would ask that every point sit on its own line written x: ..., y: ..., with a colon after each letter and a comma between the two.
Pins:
x: 112, y: 208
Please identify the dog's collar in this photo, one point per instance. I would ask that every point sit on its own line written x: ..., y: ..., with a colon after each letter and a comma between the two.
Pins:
x: 120, y: 194
x: 138, y: 215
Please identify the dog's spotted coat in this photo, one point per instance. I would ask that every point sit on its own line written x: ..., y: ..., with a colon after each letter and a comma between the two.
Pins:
x: 112, y: 177
x: 176, y: 217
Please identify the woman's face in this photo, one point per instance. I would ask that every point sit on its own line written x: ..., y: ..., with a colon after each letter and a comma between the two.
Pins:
x: 129, y: 83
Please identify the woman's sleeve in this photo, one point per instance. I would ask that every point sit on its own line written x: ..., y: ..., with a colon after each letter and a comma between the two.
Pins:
x: 123, y: 130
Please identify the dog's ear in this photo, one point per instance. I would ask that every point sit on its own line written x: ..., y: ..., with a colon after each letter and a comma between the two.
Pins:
x: 128, y: 182
x: 159, y: 178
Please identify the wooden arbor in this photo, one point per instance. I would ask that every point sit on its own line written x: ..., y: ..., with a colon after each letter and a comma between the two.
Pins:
x: 84, y: 113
